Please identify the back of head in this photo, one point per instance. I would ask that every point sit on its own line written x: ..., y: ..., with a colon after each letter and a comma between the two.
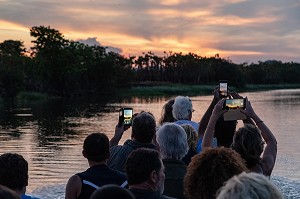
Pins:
x: 172, y: 141
x: 224, y: 131
x: 140, y: 163
x: 13, y: 171
x: 112, y: 192
x: 249, y: 186
x: 248, y: 142
x: 143, y: 127
x: 96, y: 147
x: 182, y: 108
x: 6, y: 193
x: 167, y: 115
x: 192, y: 136
x: 208, y: 171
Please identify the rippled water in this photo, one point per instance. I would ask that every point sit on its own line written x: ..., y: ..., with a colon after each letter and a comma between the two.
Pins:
x: 50, y: 135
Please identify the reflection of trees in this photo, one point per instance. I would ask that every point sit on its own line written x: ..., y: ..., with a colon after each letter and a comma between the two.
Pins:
x: 49, y: 119
x: 145, y: 100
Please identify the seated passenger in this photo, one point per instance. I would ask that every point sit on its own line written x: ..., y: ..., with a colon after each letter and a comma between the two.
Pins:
x: 143, y: 131
x: 183, y: 111
x: 172, y: 143
x: 14, y: 173
x: 248, y: 141
x: 112, y: 192
x: 192, y: 139
x: 209, y: 170
x: 249, y: 185
x: 166, y: 115
x: 145, y: 174
x: 96, y: 150
x: 224, y: 132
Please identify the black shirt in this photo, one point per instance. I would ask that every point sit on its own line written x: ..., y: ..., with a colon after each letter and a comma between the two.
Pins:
x: 148, y: 194
x: 97, y: 176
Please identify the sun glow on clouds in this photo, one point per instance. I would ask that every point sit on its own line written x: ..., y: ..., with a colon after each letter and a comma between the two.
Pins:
x: 225, y: 27
x: 171, y: 2
x: 5, y: 25
x: 14, y: 31
x: 172, y: 13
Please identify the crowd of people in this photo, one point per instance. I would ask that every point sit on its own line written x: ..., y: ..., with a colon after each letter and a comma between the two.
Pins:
x: 176, y: 158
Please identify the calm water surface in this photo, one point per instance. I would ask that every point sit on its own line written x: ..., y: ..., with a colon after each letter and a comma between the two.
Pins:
x: 50, y: 135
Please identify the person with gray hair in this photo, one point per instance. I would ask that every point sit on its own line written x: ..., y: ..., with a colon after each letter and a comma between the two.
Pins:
x: 183, y: 112
x: 173, y: 146
x: 249, y: 185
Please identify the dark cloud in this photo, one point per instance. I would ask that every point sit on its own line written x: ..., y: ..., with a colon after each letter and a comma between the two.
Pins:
x: 93, y: 41
x: 90, y: 41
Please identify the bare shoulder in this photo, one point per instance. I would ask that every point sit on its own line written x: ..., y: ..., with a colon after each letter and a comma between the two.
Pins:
x: 73, y: 187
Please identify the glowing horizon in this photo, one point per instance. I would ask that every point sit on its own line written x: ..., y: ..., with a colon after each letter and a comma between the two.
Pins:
x: 241, y: 30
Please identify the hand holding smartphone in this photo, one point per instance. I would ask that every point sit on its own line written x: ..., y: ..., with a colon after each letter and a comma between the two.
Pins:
x: 234, y: 106
x: 223, y: 88
x: 230, y: 104
x: 125, y: 116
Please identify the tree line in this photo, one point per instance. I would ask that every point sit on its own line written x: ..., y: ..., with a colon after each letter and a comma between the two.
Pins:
x: 61, y: 67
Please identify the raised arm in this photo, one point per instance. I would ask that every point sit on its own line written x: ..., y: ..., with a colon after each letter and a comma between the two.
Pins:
x: 119, y: 130
x: 205, y: 118
x: 210, y: 129
x: 235, y: 95
x: 270, y: 152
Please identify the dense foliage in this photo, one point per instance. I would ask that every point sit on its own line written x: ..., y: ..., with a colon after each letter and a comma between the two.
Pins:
x: 60, y: 67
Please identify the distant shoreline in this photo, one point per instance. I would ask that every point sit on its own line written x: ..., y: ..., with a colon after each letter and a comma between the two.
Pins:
x: 169, y: 89
x: 149, y: 89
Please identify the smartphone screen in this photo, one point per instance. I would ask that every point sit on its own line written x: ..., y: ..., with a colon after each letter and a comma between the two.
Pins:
x: 223, y: 89
x: 234, y: 104
x: 127, y: 113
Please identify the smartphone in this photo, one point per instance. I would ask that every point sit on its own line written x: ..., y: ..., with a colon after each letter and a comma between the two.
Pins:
x: 234, y: 104
x: 125, y: 115
x: 223, y: 88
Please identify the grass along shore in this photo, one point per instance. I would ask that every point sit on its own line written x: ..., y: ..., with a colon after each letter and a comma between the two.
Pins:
x: 147, y: 89
x: 168, y: 89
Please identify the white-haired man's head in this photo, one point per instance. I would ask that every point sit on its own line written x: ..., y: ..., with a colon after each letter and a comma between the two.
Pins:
x: 249, y: 185
x: 172, y: 141
x: 182, y: 108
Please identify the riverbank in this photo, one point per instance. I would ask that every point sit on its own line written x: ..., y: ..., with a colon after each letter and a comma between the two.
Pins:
x: 146, y: 89
x: 168, y: 89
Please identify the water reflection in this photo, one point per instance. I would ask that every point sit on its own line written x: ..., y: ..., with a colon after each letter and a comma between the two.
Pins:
x: 50, y: 134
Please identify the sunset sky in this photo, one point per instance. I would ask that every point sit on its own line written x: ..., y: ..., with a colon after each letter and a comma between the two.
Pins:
x: 241, y: 30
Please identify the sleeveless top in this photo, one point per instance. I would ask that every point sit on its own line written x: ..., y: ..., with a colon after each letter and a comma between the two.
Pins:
x: 97, y: 176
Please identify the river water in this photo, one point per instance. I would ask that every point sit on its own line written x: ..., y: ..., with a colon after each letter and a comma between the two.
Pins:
x: 50, y: 135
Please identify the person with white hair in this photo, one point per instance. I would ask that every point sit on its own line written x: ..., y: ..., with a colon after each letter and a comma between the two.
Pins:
x: 183, y: 112
x: 173, y: 146
x: 249, y: 185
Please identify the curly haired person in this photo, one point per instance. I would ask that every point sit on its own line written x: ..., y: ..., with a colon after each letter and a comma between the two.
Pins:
x: 208, y: 171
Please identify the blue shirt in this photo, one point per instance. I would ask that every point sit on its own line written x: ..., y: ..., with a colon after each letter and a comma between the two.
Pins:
x: 195, y: 125
x: 199, y: 147
x: 28, y: 197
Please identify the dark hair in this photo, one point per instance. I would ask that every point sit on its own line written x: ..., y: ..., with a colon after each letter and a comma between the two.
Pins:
x: 248, y: 142
x: 112, y: 192
x: 13, y: 171
x: 224, y: 131
x: 140, y: 163
x: 166, y: 114
x: 96, y: 147
x: 208, y: 170
x: 6, y: 193
x: 143, y: 127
